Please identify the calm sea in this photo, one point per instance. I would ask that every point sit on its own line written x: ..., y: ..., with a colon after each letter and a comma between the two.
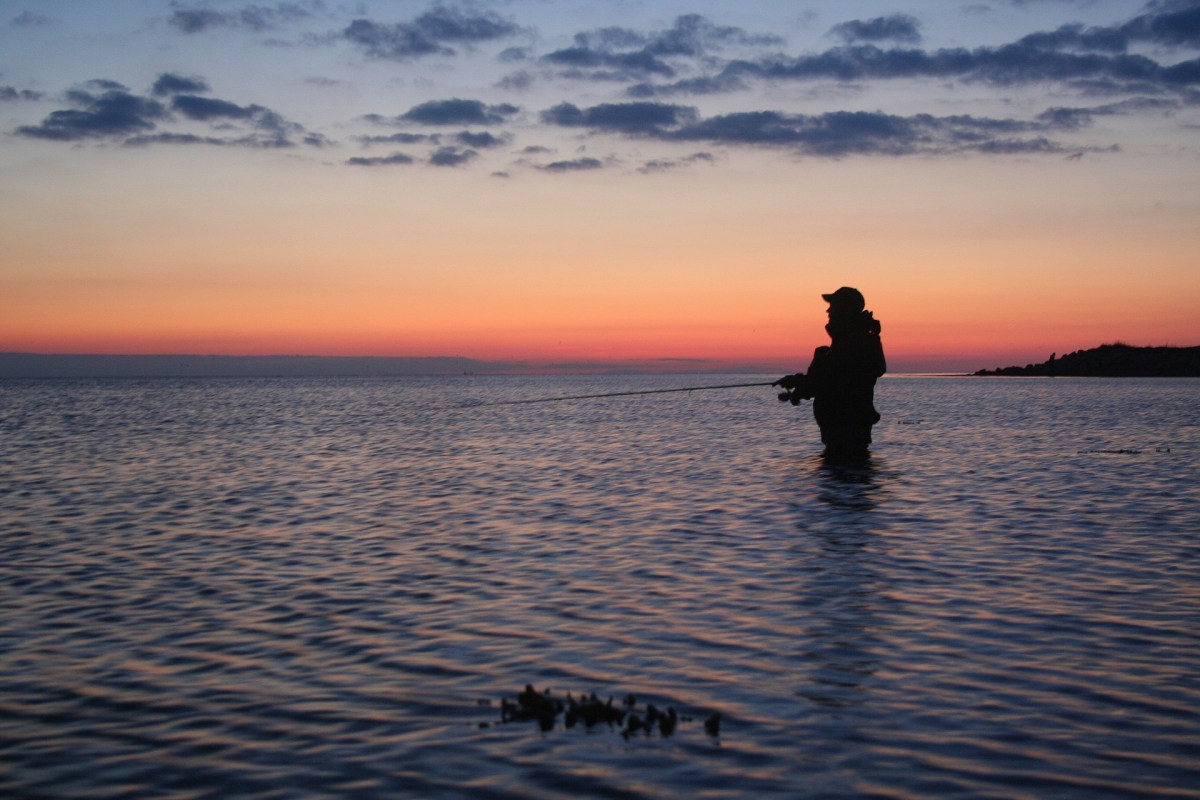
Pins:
x: 325, y: 588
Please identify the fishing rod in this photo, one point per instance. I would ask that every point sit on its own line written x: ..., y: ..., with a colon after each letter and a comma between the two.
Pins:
x: 625, y: 394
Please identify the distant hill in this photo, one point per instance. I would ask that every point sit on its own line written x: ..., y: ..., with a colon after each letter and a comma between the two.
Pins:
x: 38, y: 365
x: 1115, y: 361
x: 98, y: 365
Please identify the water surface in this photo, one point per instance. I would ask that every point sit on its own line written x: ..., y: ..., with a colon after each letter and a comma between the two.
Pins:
x: 320, y: 588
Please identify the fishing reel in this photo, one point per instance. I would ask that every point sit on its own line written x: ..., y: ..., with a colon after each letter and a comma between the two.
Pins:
x: 793, y: 397
x: 795, y: 388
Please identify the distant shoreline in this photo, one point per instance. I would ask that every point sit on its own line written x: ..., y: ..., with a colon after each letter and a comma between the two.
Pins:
x: 1112, y: 361
x: 86, y: 366
x: 40, y: 365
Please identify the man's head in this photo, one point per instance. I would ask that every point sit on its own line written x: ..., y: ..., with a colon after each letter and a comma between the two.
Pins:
x: 845, y: 299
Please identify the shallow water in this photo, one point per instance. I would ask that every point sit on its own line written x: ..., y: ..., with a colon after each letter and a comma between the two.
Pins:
x: 311, y: 588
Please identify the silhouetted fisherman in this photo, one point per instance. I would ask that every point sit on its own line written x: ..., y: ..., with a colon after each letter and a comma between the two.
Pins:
x: 841, y: 378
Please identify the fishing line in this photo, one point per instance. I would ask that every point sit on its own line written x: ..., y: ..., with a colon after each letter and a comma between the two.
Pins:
x: 625, y: 394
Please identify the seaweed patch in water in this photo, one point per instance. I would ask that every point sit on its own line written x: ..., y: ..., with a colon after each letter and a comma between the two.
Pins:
x: 590, y: 711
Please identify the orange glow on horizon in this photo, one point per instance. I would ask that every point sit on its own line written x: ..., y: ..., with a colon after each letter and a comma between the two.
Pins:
x: 610, y: 274
x: 970, y: 325
x: 909, y: 343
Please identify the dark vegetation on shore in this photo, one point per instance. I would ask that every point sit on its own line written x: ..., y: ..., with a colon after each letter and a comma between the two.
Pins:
x: 1114, y: 361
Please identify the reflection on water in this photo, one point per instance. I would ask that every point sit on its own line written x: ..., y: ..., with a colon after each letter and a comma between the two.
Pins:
x: 839, y: 593
x: 315, y: 588
x: 849, y: 484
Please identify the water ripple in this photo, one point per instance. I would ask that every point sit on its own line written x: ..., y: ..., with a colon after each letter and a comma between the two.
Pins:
x: 308, y: 588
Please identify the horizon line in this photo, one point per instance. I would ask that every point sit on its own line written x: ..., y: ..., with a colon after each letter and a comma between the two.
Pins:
x: 30, y: 364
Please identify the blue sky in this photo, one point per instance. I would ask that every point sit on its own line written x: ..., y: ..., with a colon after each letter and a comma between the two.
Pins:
x: 920, y: 78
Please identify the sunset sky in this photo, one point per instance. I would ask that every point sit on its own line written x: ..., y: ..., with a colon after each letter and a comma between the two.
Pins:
x: 604, y: 181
